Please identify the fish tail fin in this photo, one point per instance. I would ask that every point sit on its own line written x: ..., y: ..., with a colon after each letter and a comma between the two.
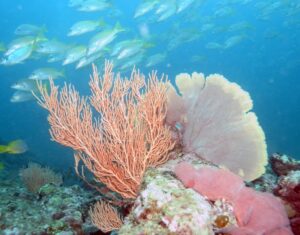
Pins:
x: 148, y: 45
x: 63, y: 73
x: 3, y: 148
x: 39, y: 37
x: 119, y: 27
x: 107, y: 49
x: 17, y: 147
x: 101, y: 22
x: 2, y: 47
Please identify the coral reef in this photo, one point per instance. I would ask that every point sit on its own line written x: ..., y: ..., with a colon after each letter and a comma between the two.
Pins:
x: 164, y: 205
x: 215, y: 122
x: 52, y: 210
x: 211, y: 119
x: 288, y: 186
x: 282, y: 164
x: 289, y: 190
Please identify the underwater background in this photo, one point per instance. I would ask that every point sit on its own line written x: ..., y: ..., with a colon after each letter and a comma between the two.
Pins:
x: 253, y: 43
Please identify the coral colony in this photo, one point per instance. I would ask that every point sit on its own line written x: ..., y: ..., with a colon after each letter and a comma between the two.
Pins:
x: 145, y: 130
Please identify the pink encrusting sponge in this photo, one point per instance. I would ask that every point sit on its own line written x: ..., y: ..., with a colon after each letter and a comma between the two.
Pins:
x: 257, y: 213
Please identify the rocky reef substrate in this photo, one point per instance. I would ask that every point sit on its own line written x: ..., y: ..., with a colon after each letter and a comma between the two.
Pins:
x: 163, y: 206
x: 61, y: 210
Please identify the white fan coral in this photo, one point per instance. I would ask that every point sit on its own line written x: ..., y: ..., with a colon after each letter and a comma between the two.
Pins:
x: 216, y: 123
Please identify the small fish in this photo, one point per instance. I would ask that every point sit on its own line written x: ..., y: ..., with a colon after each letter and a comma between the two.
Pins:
x: 133, y: 61
x: 51, y: 47
x: 234, y: 40
x: 155, y: 59
x: 119, y: 46
x: 102, y: 39
x: 207, y: 27
x: 46, y: 73
x: 18, y: 55
x: 94, y: 5
x: 184, y: 4
x: 197, y: 58
x: 170, y: 12
x: 25, y: 85
x: 75, y: 3
x: 145, y: 7
x: 243, y: 25
x: 14, y: 147
x: 21, y: 96
x: 74, y: 54
x: 184, y: 36
x: 213, y: 45
x: 133, y: 47
x: 29, y: 29
x: 166, y: 10
x: 85, y: 26
x: 56, y: 57
x: 22, y: 42
x: 86, y: 60
x: 128, y: 52
x: 225, y: 11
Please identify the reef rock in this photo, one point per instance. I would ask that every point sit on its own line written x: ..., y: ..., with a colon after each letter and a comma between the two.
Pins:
x: 165, y: 206
x: 282, y: 164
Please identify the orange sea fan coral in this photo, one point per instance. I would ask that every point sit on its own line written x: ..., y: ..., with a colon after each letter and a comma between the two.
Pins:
x: 35, y: 176
x: 105, y: 217
x: 216, y: 123
x: 127, y: 136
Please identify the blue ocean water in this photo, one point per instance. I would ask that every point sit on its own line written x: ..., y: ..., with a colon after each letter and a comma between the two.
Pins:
x: 262, y: 57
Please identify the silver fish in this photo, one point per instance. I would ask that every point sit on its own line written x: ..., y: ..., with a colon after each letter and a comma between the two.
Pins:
x: 46, y: 73
x: 21, y: 96
x: 29, y: 29
x: 17, y: 56
x: 85, y: 26
x: 25, y: 85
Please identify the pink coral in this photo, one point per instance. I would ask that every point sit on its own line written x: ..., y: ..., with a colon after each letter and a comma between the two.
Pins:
x: 257, y: 213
